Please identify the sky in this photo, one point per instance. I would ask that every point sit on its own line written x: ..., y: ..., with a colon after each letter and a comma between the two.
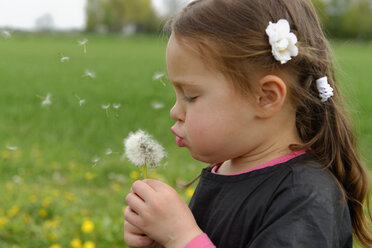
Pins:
x: 66, y: 14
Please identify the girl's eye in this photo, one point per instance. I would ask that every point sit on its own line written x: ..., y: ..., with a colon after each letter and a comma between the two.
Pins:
x: 189, y: 99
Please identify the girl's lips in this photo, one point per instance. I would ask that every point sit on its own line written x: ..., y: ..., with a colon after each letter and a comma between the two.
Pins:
x: 179, y: 140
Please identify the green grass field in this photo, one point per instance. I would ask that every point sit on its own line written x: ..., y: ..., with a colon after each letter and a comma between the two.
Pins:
x: 58, y: 187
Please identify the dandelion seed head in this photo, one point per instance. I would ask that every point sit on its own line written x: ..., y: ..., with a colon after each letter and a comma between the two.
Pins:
x: 81, y: 102
x: 65, y: 59
x: 157, y: 75
x: 141, y: 149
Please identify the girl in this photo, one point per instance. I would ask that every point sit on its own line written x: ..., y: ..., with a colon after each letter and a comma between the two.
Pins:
x: 257, y: 99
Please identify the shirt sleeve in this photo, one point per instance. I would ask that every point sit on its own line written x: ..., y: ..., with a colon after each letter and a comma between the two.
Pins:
x: 305, y: 215
x: 200, y: 241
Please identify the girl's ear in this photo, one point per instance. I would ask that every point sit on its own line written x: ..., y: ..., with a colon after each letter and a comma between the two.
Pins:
x: 270, y: 97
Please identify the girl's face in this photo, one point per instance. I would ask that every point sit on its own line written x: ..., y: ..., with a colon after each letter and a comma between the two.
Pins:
x: 213, y: 120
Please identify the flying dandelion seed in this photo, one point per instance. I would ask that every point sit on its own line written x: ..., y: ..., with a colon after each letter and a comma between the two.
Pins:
x: 106, y: 108
x: 95, y: 160
x: 157, y: 105
x: 65, y: 59
x: 159, y: 76
x: 142, y: 150
x: 108, y: 151
x: 11, y: 148
x: 5, y: 34
x: 81, y: 101
x: 47, y: 100
x: 88, y: 73
x: 116, y: 107
x: 83, y: 43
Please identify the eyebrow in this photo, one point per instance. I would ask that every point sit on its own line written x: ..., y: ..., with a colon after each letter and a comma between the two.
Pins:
x: 181, y: 83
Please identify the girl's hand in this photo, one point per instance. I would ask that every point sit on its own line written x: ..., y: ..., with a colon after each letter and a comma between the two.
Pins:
x: 159, y: 212
x: 135, y: 238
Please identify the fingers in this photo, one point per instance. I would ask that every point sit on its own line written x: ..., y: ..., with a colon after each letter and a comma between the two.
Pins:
x: 135, y: 203
x: 156, y: 185
x: 142, y: 189
x: 134, y: 237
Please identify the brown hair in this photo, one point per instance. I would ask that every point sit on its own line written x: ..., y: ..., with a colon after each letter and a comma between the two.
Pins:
x: 231, y: 34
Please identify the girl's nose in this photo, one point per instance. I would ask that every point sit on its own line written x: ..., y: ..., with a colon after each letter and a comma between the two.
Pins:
x: 177, y: 112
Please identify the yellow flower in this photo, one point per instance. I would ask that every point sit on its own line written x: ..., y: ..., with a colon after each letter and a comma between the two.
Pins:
x: 115, y: 187
x: 13, y: 211
x: 55, y: 246
x: 69, y: 196
x: 75, y: 243
x: 32, y: 198
x: 43, y: 213
x: 87, y: 226
x: 190, y: 192
x: 27, y: 218
x: 134, y: 175
x: 89, y: 244
x: 52, y: 237
x: 46, y: 202
x: 3, y: 221
x: 89, y: 176
x: 5, y: 155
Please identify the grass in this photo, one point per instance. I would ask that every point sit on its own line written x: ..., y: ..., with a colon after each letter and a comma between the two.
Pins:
x: 52, y: 193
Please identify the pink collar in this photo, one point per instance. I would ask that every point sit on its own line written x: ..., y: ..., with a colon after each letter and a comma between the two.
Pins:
x: 276, y: 161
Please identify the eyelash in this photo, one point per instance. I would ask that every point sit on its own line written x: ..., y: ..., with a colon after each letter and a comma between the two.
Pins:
x: 189, y: 99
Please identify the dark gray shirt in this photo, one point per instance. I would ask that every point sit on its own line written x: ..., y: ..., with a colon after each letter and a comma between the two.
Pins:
x: 293, y: 204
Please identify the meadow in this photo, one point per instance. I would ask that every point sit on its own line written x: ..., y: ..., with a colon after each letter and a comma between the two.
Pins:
x: 63, y: 178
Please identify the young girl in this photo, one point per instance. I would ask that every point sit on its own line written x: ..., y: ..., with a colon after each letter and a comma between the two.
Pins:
x: 257, y: 99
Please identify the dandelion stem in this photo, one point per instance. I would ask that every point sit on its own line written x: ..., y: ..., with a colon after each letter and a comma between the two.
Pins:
x: 144, y: 171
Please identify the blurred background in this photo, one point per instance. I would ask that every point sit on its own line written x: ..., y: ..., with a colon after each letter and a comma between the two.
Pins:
x: 77, y: 76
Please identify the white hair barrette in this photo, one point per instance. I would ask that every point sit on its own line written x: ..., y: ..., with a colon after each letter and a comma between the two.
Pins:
x: 325, y: 90
x: 282, y: 41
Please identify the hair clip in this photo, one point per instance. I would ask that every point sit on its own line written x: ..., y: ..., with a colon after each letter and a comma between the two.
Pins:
x: 325, y: 90
x: 282, y: 41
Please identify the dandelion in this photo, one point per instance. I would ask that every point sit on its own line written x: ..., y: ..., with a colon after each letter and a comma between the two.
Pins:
x: 89, y: 73
x: 134, y: 175
x: 46, y: 100
x: 190, y: 192
x: 142, y: 150
x: 43, y: 213
x: 55, y: 246
x: 76, y: 243
x: 106, y: 108
x: 89, y: 244
x: 116, y: 106
x: 81, y: 101
x: 5, y: 34
x: 95, y: 160
x: 157, y: 105
x: 87, y: 226
x: 83, y: 43
x: 157, y: 76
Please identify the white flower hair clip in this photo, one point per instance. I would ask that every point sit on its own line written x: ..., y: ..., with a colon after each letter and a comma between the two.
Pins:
x: 282, y: 41
x: 325, y: 90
